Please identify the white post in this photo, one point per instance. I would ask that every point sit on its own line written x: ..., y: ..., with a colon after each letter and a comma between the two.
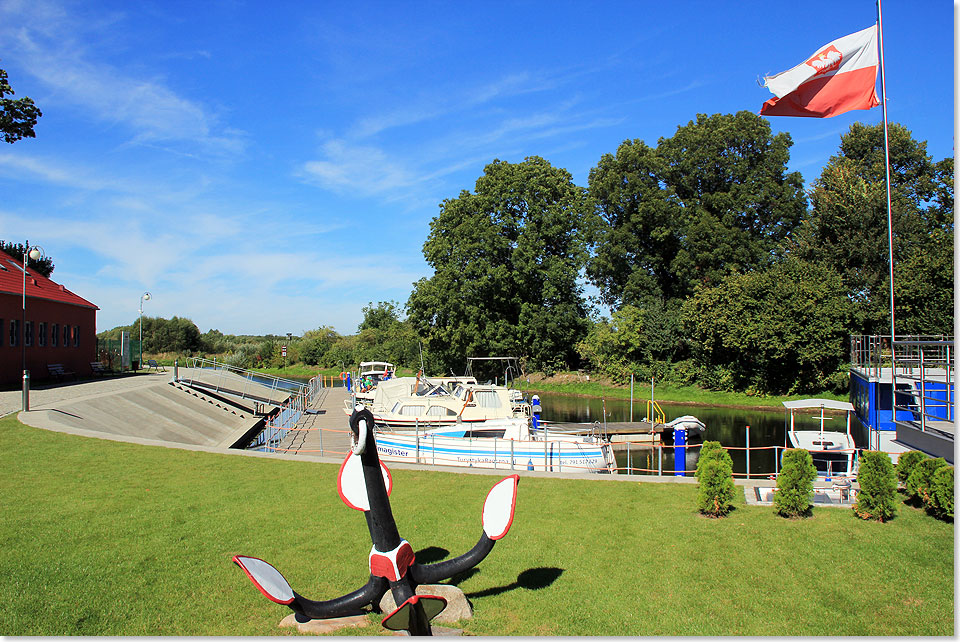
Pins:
x: 886, y: 155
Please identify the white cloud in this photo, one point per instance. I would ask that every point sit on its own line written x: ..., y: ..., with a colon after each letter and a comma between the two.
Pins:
x: 48, y: 43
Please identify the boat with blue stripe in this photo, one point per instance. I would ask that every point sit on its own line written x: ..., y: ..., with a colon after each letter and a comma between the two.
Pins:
x: 503, y: 444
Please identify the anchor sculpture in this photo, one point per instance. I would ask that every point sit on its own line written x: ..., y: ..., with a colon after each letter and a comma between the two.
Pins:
x: 364, y: 484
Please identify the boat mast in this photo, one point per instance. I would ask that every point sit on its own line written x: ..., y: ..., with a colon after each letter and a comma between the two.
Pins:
x: 886, y: 154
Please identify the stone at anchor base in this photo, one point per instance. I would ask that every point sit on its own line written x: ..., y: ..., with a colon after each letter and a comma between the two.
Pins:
x: 328, y: 625
x: 458, y: 607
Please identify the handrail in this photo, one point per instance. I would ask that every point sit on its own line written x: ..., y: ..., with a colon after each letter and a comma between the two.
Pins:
x: 655, y: 412
x: 200, y: 366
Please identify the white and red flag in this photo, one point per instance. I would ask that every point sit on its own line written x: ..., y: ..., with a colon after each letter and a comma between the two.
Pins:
x: 840, y: 76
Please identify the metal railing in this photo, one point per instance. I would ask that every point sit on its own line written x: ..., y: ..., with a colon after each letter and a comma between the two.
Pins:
x: 871, y: 353
x: 279, y: 423
x: 247, y: 384
x: 927, y: 367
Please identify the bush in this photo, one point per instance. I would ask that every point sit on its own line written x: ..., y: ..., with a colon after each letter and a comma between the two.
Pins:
x: 920, y: 481
x: 795, y: 483
x: 906, y: 463
x: 715, y: 487
x: 942, y: 491
x: 878, y: 487
x: 712, y: 450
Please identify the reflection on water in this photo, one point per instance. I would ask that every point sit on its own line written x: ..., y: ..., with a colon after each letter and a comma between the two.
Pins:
x: 767, y: 429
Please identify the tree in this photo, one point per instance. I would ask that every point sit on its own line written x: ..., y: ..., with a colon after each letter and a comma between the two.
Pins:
x: 506, y: 259
x: 878, y: 487
x: 17, y: 117
x: 778, y: 331
x: 847, y: 229
x: 44, y: 265
x: 795, y: 483
x: 712, y: 200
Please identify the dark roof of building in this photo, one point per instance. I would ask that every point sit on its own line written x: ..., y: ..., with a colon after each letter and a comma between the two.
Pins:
x: 38, y: 286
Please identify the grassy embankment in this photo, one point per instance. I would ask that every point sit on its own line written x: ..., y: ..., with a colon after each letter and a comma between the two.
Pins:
x: 108, y: 538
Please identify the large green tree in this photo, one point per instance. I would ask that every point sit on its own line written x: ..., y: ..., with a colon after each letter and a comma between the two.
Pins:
x: 506, y: 259
x: 847, y: 230
x: 782, y: 330
x: 19, y: 116
x: 712, y: 200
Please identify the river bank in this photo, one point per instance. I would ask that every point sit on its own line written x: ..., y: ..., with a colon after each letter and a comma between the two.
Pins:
x: 580, y: 385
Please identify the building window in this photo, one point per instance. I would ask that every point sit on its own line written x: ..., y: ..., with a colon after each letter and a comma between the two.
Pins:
x: 14, y: 332
x: 54, y: 328
x: 42, y: 333
x: 76, y: 336
x: 28, y: 335
x: 66, y: 336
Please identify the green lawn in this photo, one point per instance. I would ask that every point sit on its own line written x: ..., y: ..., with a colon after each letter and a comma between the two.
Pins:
x: 106, y: 538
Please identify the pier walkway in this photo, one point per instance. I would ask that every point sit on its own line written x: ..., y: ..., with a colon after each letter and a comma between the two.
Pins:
x: 323, y: 430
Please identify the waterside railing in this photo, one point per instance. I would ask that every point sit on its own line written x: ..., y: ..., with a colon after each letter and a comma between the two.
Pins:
x: 927, y: 369
x: 220, y: 377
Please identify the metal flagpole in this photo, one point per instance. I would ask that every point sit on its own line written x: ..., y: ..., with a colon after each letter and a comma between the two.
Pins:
x: 886, y: 153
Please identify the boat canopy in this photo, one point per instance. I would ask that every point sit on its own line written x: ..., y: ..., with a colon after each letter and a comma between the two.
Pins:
x: 832, y: 404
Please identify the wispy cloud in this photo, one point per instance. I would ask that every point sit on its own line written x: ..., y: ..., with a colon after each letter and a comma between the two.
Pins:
x: 49, y: 44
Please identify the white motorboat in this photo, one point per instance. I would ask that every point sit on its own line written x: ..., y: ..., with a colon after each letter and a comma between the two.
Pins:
x: 370, y: 375
x: 412, y: 402
x: 834, y: 453
x: 504, y: 444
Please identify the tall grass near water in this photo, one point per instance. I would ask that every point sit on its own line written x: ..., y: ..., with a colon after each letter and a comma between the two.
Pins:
x: 107, y: 538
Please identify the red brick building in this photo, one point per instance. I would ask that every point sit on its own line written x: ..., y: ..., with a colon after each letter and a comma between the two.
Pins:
x: 60, y: 327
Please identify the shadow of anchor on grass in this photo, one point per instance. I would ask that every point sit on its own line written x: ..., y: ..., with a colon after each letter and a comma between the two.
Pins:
x: 532, y: 579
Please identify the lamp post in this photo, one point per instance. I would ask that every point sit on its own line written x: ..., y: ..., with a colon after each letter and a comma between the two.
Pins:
x: 36, y: 253
x: 143, y: 297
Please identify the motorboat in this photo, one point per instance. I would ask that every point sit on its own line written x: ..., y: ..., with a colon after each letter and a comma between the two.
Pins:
x: 834, y: 453
x: 369, y: 376
x: 421, y: 402
x: 504, y: 444
x: 691, y: 424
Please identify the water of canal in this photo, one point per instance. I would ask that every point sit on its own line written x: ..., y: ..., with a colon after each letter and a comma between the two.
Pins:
x: 723, y: 424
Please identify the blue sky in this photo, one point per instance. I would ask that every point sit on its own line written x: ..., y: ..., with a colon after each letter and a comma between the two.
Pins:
x: 272, y: 167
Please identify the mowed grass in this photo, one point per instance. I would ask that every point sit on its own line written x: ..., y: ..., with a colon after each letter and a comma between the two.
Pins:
x: 106, y: 538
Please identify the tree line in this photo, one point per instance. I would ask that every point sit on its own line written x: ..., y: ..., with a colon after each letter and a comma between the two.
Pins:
x: 718, y: 267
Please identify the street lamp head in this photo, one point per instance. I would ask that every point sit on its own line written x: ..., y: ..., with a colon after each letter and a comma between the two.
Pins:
x: 146, y: 296
x: 35, y: 254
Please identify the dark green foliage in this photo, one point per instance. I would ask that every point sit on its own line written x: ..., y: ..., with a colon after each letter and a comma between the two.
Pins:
x: 506, y: 260
x: 846, y: 228
x: 715, y: 487
x: 43, y: 265
x: 714, y: 198
x: 750, y: 325
x: 906, y: 462
x: 715, y: 490
x: 920, y: 481
x: 878, y: 487
x: 795, y: 483
x: 17, y: 117
x: 941, y: 492
x: 712, y: 450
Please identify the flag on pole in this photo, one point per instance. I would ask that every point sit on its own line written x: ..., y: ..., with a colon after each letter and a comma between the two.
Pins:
x: 840, y: 76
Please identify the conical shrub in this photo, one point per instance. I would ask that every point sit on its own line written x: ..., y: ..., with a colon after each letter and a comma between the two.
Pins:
x: 795, y: 483
x: 878, y: 487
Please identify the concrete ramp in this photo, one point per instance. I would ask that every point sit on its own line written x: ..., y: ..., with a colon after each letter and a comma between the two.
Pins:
x: 157, y: 411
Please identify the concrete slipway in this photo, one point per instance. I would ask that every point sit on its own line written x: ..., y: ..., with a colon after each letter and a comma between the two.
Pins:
x: 143, y: 407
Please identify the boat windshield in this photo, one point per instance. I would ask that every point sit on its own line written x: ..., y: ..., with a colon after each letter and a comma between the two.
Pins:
x: 427, y: 388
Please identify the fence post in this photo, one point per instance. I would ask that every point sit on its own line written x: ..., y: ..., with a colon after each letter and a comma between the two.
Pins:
x: 748, y: 452
x: 659, y: 460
